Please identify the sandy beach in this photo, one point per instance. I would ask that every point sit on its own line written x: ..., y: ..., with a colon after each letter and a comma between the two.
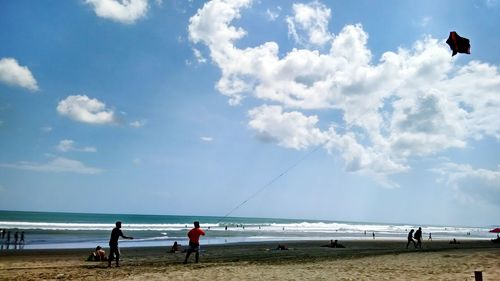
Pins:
x: 305, y: 260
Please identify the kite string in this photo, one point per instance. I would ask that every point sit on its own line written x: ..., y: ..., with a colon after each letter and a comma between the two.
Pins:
x: 269, y: 183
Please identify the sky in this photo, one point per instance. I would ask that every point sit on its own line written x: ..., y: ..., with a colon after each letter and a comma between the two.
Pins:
x: 329, y: 110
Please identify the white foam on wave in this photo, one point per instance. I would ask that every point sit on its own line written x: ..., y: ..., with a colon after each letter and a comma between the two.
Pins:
x: 298, y: 227
x: 93, y: 226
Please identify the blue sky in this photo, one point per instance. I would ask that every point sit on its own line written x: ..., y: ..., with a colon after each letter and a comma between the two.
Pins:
x: 190, y: 107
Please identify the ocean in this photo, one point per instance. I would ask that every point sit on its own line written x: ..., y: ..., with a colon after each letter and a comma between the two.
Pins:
x: 48, y: 230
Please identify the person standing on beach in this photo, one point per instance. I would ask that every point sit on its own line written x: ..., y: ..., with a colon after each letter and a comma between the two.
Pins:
x: 7, y: 240
x: 194, y: 241
x: 114, y: 251
x: 373, y: 234
x: 418, y: 237
x: 410, y: 239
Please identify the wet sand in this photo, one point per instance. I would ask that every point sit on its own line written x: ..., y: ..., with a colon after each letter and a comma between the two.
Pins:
x: 305, y: 260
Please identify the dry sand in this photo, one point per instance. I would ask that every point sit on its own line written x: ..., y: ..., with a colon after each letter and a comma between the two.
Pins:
x: 305, y: 260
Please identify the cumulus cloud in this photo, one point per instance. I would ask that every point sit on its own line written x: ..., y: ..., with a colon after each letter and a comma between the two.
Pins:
x: 11, y: 73
x: 84, y: 109
x: 288, y: 129
x: 57, y: 165
x: 412, y: 102
x: 70, y: 145
x: 309, y: 23
x: 122, y: 11
x: 474, y: 184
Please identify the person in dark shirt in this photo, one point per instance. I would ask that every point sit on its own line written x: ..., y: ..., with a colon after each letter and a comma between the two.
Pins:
x: 194, y: 241
x: 418, y: 237
x: 410, y: 239
x: 113, y: 244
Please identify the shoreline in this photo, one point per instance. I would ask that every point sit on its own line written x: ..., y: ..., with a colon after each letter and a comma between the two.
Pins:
x: 244, y: 260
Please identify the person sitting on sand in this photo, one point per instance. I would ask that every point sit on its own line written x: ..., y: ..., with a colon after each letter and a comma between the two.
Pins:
x: 281, y: 247
x: 410, y: 239
x: 454, y: 241
x: 334, y: 244
x: 175, y: 248
x: 98, y: 255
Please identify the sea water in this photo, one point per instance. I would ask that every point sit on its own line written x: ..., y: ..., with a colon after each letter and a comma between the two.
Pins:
x: 47, y: 230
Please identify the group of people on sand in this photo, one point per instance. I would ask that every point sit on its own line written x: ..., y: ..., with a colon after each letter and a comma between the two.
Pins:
x: 114, y: 252
x: 18, y: 238
x: 417, y: 235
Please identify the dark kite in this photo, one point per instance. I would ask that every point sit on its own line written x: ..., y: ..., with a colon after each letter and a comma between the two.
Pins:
x: 458, y: 44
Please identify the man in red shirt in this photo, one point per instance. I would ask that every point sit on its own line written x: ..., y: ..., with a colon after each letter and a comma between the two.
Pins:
x: 194, y: 241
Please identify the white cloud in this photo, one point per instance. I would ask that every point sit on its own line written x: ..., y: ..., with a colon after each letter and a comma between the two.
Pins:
x: 199, y: 56
x: 57, y: 165
x: 11, y: 73
x: 410, y: 103
x: 288, y: 129
x: 84, y: 109
x: 70, y: 145
x: 137, y: 123
x: 423, y: 22
x: 123, y: 11
x: 207, y: 139
x: 311, y: 19
x: 271, y: 15
x: 46, y: 129
x: 473, y: 184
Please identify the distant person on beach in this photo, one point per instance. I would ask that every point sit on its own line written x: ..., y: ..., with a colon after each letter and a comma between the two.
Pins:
x: 175, y: 248
x: 418, y: 237
x: 3, y: 233
x: 410, y: 239
x: 22, y: 238
x: 430, y: 236
x: 454, y: 241
x: 281, y: 247
x: 334, y: 244
x: 194, y: 241
x: 114, y: 251
x: 16, y: 237
x: 373, y: 234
